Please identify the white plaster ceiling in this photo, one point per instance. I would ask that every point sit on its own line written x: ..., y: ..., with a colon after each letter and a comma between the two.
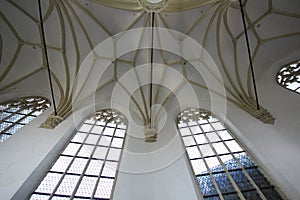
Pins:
x: 74, y: 27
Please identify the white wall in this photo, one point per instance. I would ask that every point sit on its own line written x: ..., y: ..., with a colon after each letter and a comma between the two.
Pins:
x: 155, y: 170
x: 163, y: 173
x: 276, y: 146
x: 23, y: 152
x: 27, y: 155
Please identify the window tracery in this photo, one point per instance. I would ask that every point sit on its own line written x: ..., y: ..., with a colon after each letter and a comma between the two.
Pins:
x: 222, y: 168
x: 289, y: 76
x: 87, y: 167
x: 16, y: 113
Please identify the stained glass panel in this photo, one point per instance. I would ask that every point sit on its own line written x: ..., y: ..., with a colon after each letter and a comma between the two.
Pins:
x: 221, y: 166
x: 87, y: 167
x: 16, y: 113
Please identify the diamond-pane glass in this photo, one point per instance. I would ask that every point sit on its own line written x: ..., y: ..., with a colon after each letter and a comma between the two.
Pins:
x: 221, y: 166
x: 104, y: 188
x: 49, y: 183
x: 14, y: 114
x: 67, y: 185
x: 87, y: 167
x: 86, y: 186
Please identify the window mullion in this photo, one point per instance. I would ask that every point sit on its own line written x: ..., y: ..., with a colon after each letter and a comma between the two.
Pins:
x: 237, y: 189
x: 68, y: 167
x: 261, y: 195
x: 195, y: 179
x: 206, y: 165
x: 230, y: 173
x: 88, y: 161
x: 102, y: 167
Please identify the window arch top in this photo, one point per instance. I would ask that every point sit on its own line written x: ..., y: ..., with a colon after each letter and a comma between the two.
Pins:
x: 222, y: 167
x: 289, y: 76
x: 87, y: 166
x: 16, y: 113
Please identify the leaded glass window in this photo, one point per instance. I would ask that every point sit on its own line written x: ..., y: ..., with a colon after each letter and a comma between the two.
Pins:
x: 15, y: 114
x: 289, y: 76
x: 222, y: 168
x: 87, y: 167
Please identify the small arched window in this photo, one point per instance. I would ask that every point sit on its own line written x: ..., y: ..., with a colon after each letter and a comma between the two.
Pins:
x: 222, y: 168
x: 87, y: 167
x: 289, y: 76
x: 16, y: 113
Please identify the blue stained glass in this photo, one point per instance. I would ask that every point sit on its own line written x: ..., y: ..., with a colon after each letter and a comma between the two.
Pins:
x: 251, y: 195
x: 236, y: 161
x: 241, y: 180
x: 231, y: 164
x: 231, y: 197
x: 271, y: 193
x: 212, y: 198
x: 218, y: 168
x: 206, y: 185
x: 223, y: 183
x: 258, y: 178
x: 245, y: 160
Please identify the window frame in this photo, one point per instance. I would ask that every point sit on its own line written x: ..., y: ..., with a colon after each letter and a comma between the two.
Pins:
x: 257, y: 165
x: 29, y: 113
x: 288, y: 65
x: 88, y: 158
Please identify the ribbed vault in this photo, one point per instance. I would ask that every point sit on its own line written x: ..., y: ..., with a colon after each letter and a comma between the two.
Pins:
x: 73, y: 28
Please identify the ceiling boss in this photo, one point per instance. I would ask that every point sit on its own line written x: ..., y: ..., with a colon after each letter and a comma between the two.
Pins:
x: 153, y: 5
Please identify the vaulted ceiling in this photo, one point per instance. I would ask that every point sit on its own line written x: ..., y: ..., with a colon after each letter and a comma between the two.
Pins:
x: 75, y: 28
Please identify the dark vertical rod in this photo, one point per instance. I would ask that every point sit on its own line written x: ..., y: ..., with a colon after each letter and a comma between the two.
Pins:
x: 151, y: 66
x: 46, y: 55
x: 249, y: 54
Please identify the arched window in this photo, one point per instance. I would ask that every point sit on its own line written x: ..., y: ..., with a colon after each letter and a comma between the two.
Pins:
x: 289, y: 76
x: 221, y: 166
x: 14, y: 114
x: 87, y: 167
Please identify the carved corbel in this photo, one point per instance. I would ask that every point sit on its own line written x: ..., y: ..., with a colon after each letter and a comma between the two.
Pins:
x: 52, y: 121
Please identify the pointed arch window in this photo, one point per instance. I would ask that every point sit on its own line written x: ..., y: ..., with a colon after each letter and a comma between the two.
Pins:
x: 16, y: 113
x: 289, y: 76
x: 222, y: 168
x: 87, y: 167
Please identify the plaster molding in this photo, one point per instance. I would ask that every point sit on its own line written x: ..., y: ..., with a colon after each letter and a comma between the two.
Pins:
x: 150, y: 135
x: 153, y: 7
x: 52, y: 121
x: 264, y: 116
